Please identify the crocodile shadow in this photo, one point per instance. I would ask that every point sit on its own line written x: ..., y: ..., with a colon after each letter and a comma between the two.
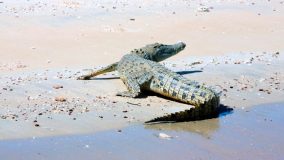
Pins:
x: 188, y: 72
x: 194, y: 114
x: 178, y: 72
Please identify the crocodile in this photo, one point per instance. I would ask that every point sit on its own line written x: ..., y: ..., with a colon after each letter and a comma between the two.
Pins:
x: 155, y: 52
x: 142, y: 73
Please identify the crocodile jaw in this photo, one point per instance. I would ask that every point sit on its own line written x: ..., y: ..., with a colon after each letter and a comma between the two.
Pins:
x: 166, y: 51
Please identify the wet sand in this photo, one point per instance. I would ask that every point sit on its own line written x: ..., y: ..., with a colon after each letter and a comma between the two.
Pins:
x: 255, y: 133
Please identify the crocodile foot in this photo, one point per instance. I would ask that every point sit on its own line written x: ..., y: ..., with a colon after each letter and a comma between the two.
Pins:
x: 84, y: 78
x: 127, y: 94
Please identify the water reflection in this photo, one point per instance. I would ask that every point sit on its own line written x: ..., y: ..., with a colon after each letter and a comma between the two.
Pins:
x: 204, y: 128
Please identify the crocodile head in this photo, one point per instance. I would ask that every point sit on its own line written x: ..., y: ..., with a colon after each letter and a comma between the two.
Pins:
x: 158, y: 52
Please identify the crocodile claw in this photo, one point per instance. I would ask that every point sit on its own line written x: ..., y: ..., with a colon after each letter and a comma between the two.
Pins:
x: 83, y: 78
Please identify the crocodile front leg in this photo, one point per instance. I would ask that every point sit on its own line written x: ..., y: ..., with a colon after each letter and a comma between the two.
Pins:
x: 106, y: 69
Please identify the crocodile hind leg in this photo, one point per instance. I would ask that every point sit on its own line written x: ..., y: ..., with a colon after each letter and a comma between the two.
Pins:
x: 106, y: 69
x: 133, y: 84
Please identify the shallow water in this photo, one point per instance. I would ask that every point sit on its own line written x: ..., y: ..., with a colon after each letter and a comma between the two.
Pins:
x: 253, y: 133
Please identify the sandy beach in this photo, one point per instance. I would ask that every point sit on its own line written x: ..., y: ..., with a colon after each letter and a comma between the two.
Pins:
x: 228, y: 137
x: 234, y: 46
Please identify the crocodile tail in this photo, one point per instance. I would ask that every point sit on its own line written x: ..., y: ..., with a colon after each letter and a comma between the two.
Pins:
x: 109, y: 68
x: 207, y: 109
x: 204, y: 99
x: 192, y: 114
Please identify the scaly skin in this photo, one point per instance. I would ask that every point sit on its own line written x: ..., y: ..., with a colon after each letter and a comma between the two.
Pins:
x: 140, y: 71
x: 154, y: 52
x: 139, y: 74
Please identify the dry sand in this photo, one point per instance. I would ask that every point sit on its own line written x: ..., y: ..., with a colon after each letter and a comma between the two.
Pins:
x: 239, y: 45
x: 73, y: 33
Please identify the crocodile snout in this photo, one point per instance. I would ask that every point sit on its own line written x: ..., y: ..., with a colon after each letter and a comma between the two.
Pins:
x: 181, y: 45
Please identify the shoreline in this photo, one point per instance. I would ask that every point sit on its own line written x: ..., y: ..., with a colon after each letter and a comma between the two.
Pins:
x: 200, y: 140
